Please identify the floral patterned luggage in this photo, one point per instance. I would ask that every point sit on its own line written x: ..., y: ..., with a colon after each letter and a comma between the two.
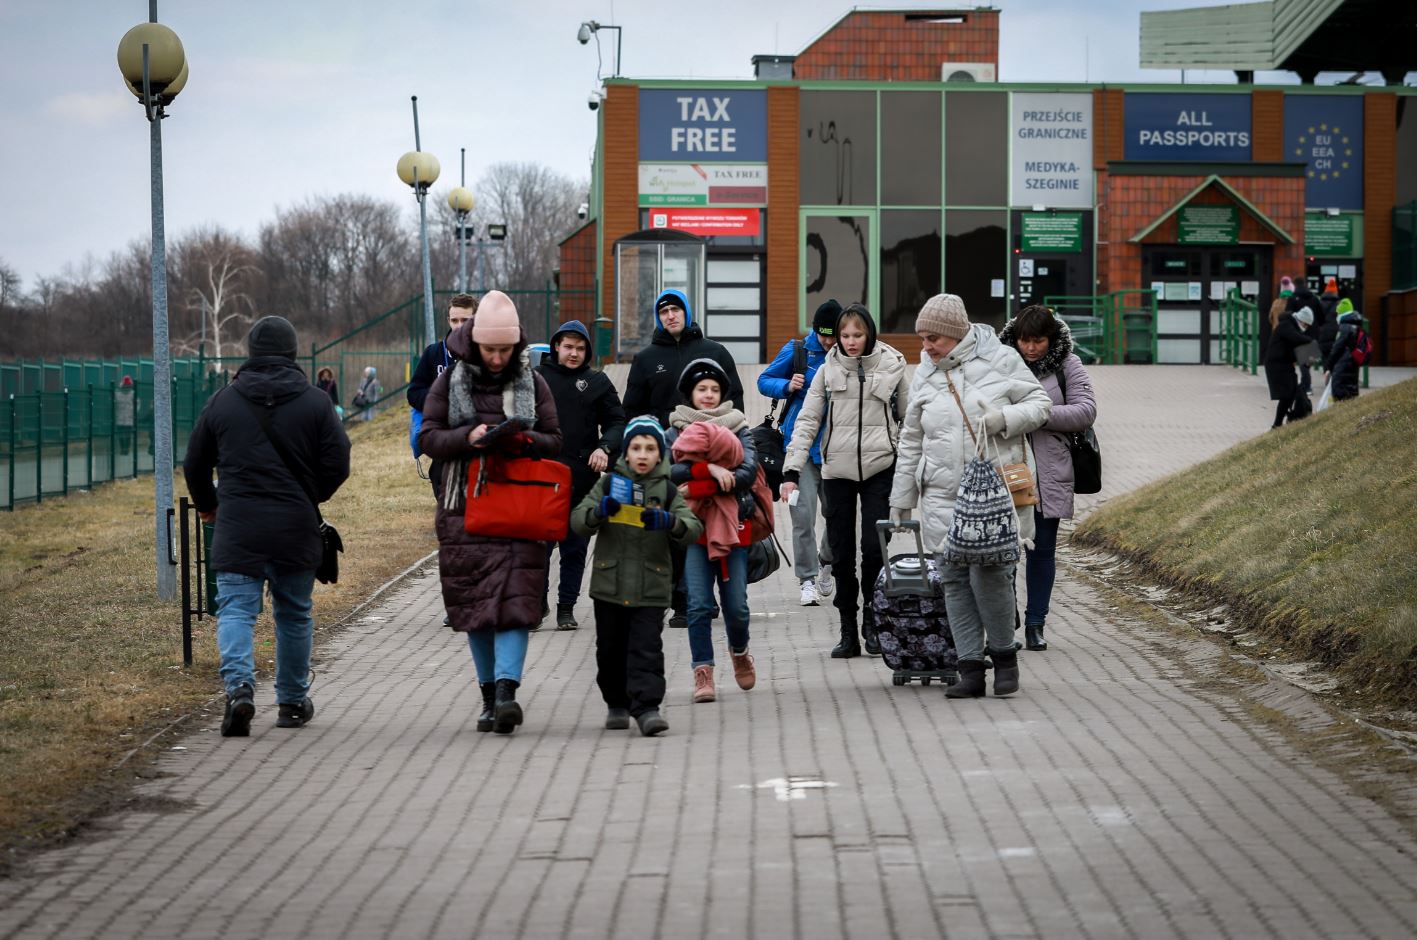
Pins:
x: 909, y: 603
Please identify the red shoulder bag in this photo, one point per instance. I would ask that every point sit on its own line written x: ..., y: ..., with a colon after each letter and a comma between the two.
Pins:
x: 519, y: 498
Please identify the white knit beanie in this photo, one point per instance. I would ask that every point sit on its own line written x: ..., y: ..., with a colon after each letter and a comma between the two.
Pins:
x: 944, y: 315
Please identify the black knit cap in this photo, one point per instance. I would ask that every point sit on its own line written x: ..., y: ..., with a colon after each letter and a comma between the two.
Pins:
x: 698, y: 370
x: 271, y: 336
x: 824, y: 322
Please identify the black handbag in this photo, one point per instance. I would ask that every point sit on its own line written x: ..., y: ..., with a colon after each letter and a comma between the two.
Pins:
x: 767, y: 437
x: 327, y: 572
x: 1085, y: 451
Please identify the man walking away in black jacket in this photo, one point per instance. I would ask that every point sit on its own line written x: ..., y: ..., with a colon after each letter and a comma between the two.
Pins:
x: 278, y: 449
x: 592, y: 421
x: 653, y: 385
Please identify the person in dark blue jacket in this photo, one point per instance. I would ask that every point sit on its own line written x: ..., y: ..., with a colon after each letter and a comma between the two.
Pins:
x: 788, y: 377
x: 436, y: 359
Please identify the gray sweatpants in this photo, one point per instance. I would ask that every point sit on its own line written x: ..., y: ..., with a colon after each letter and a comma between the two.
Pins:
x: 979, y: 600
x: 806, y: 555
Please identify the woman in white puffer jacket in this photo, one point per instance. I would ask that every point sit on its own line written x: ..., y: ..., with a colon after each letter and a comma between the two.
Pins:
x: 995, y: 387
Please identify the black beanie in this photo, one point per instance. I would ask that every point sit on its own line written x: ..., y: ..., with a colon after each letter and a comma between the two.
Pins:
x: 698, y: 370
x: 271, y: 336
x: 824, y: 322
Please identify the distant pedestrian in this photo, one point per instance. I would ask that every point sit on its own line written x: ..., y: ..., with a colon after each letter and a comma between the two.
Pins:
x: 592, y: 421
x: 971, y: 394
x: 1046, y: 345
x: 278, y: 451
x: 1341, y: 363
x: 855, y: 402
x: 812, y: 560
x: 715, y: 466
x: 1279, y: 362
x: 633, y: 578
x: 1304, y: 297
x: 492, y: 587
x: 436, y: 360
x: 325, y: 382
x: 125, y: 407
x: 368, y: 393
x: 1281, y: 302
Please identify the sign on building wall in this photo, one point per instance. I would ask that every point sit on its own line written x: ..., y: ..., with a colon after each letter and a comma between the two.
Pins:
x: 703, y: 184
x: 708, y: 221
x: 723, y: 125
x: 1044, y: 233
x: 1208, y: 225
x: 1333, y: 236
x: 1326, y: 132
x: 1187, y: 127
x: 1052, y: 150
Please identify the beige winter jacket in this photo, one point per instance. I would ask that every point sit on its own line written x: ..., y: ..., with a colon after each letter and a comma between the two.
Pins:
x: 850, y: 400
x: 935, y: 446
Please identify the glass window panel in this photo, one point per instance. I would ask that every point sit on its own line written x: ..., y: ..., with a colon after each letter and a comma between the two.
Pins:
x: 976, y: 255
x: 838, y: 148
x: 837, y: 260
x: 910, y: 148
x: 976, y: 148
x: 910, y: 266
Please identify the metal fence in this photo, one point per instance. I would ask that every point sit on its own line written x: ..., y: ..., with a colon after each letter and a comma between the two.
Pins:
x: 1240, y: 332
x: 1110, y: 328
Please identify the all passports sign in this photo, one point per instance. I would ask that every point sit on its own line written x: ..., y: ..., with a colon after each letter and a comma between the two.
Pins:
x: 1187, y: 127
x: 703, y: 125
x: 1052, y: 150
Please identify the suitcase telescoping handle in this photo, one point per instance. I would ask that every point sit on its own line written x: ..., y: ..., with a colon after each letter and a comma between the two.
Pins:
x: 884, y: 530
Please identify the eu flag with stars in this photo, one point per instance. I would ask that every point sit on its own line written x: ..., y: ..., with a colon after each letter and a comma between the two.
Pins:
x: 1325, y: 132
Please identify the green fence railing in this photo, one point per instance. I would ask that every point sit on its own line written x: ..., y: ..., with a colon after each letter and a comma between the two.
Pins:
x: 1240, y: 332
x: 1110, y: 328
x: 1086, y: 317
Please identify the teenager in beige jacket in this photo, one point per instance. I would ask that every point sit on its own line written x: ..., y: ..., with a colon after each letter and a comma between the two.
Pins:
x: 856, y: 400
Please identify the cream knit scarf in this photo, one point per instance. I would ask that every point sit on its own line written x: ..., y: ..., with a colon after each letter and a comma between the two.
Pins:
x: 725, y: 415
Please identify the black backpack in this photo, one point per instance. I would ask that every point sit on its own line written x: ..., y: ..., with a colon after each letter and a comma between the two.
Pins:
x: 767, y: 437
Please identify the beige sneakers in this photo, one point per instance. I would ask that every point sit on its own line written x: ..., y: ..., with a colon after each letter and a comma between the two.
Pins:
x: 743, y: 669
x: 703, y: 684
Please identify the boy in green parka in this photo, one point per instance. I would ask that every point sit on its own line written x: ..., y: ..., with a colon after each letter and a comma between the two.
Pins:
x: 638, y: 515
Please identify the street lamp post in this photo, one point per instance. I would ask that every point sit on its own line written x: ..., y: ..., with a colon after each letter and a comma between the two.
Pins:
x: 461, y: 201
x: 420, y: 170
x: 154, y: 65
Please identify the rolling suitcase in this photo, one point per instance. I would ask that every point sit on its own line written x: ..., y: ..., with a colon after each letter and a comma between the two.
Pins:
x: 909, y: 603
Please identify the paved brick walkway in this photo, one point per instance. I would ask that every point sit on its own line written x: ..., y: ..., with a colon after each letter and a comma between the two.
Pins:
x: 1121, y: 794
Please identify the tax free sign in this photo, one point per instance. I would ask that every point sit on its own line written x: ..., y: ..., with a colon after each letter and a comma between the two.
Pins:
x: 703, y: 125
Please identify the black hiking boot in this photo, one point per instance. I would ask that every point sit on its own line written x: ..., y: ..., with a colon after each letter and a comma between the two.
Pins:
x: 849, y: 646
x: 1005, y: 671
x: 652, y: 723
x: 617, y: 719
x: 489, y: 705
x: 295, y: 714
x: 240, y: 708
x: 506, y: 713
x: 1033, y: 637
x: 565, y: 620
x: 971, y: 680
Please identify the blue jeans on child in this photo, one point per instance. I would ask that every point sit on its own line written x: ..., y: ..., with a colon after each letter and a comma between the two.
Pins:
x: 1041, y: 569
x: 499, y: 654
x: 700, y: 575
x: 239, y: 603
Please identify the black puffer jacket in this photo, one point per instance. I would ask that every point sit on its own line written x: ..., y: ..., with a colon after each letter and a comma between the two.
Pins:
x: 263, y: 514
x: 653, y: 385
x: 1280, y: 359
x: 590, y: 415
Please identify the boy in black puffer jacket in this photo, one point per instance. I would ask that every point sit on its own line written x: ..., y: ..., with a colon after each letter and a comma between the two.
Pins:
x: 592, y: 422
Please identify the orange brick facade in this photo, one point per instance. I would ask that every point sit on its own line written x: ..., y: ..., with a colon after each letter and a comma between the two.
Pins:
x: 783, y: 238
x: 898, y: 46
x: 620, y: 181
x: 1379, y: 195
x: 577, y: 273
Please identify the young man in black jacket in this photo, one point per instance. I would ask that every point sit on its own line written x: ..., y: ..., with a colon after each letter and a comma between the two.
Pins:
x: 653, y: 385
x: 278, y: 448
x: 592, y: 421
x: 435, y: 359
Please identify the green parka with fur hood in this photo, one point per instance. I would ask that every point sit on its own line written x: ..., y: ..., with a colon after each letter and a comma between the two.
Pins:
x: 935, y: 446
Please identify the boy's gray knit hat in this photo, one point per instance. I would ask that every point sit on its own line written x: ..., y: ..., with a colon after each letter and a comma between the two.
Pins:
x: 644, y: 425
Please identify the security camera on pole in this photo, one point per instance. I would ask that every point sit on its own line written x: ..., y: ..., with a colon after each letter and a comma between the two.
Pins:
x: 462, y: 202
x: 154, y: 65
x: 419, y: 171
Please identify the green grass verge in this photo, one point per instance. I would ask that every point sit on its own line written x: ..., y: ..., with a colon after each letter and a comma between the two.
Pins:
x: 1308, y: 532
x: 91, y: 662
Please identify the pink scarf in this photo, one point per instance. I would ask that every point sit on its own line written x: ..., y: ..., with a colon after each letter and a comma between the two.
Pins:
x: 702, y: 442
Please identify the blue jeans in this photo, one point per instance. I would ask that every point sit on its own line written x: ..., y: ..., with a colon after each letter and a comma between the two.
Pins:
x: 239, y: 603
x: 573, y: 551
x: 700, y: 575
x: 1041, y: 568
x: 499, y: 654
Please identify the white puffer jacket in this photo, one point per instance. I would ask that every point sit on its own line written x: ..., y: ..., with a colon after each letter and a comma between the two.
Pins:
x: 855, y: 401
x: 935, y: 446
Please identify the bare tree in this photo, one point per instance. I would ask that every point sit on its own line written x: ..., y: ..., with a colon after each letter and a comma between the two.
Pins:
x: 538, y: 206
x: 214, y: 271
x: 9, y: 286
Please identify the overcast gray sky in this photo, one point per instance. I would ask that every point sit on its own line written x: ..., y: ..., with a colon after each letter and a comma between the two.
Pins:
x: 291, y: 99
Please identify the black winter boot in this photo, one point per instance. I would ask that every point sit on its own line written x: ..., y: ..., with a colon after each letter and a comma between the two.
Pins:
x: 849, y: 646
x: 1033, y: 637
x: 489, y: 705
x: 870, y: 640
x: 1005, y: 671
x: 506, y: 713
x: 971, y: 680
x: 651, y: 723
x: 295, y: 714
x: 240, y: 707
x: 565, y: 620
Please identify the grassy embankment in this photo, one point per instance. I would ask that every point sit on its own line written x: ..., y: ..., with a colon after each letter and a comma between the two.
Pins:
x: 1308, y: 533
x: 90, y: 662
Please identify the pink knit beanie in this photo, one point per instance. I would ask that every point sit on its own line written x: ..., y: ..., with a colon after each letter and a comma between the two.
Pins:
x: 496, y: 322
